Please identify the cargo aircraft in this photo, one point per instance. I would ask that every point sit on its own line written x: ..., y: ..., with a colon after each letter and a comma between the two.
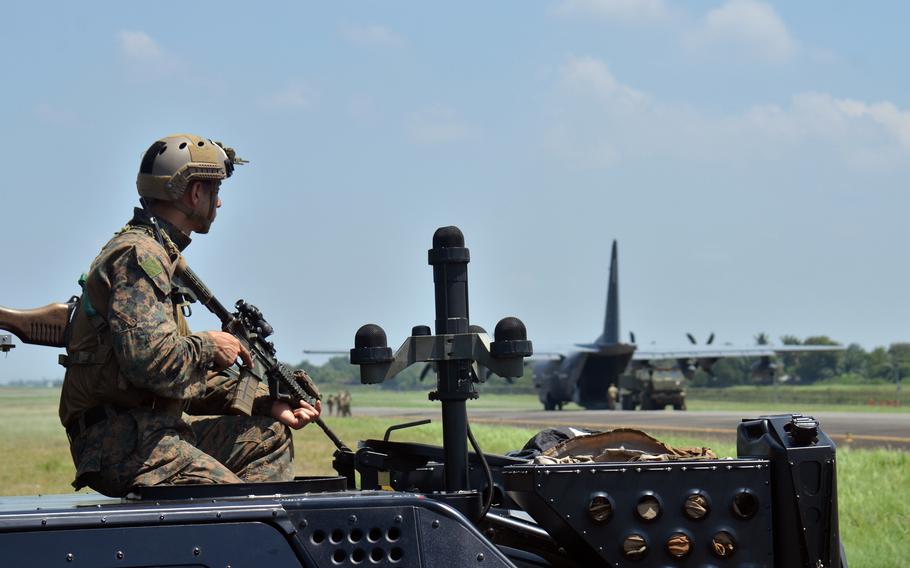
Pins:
x: 584, y: 375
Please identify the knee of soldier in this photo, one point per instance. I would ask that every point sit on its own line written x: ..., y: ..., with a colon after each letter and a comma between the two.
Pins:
x: 278, y: 434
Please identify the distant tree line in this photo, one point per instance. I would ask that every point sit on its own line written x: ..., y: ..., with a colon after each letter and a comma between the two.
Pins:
x: 854, y: 365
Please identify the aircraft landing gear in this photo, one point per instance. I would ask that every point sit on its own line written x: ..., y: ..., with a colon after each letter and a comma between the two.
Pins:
x: 549, y: 404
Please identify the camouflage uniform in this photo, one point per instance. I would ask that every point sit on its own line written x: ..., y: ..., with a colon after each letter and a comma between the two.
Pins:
x: 132, y: 359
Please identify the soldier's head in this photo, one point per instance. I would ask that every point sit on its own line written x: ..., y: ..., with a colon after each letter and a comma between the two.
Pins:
x: 183, y: 173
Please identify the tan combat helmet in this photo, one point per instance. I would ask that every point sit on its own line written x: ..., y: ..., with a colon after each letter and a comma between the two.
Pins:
x: 170, y: 164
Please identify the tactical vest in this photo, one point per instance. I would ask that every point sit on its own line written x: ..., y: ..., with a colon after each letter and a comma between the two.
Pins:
x: 93, y: 375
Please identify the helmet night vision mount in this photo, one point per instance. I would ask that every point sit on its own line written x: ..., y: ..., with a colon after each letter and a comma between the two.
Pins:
x: 457, y: 349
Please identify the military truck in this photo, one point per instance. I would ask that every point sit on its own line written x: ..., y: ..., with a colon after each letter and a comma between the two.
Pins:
x: 398, y: 504
x: 650, y: 389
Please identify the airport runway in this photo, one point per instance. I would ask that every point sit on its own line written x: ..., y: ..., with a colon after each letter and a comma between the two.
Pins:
x: 853, y: 429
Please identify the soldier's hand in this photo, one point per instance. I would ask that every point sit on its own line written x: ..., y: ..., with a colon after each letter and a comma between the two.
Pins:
x: 296, y: 418
x: 227, y: 349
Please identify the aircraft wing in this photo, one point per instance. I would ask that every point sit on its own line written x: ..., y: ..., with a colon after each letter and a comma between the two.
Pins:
x: 727, y: 351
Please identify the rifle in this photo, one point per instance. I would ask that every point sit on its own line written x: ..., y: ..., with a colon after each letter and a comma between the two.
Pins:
x: 47, y: 326
x: 249, y: 326
x: 39, y: 326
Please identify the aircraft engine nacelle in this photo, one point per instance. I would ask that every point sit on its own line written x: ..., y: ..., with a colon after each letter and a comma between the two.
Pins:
x: 707, y: 364
x: 763, y: 371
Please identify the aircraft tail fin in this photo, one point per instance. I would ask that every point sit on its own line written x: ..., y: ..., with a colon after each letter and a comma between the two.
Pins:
x: 610, y: 333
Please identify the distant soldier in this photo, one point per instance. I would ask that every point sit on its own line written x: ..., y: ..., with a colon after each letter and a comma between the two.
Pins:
x: 612, y: 396
x: 330, y: 400
x: 140, y: 401
x: 344, y: 403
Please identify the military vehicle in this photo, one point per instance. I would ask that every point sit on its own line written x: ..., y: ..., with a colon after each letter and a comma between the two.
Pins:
x: 583, y: 375
x: 420, y: 505
x: 648, y: 389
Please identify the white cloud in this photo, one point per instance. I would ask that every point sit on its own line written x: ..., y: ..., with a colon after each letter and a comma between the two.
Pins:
x: 56, y: 116
x: 139, y: 45
x: 591, y: 76
x: 437, y: 125
x: 146, y: 59
x: 371, y: 35
x: 747, y: 26
x: 295, y: 96
x: 628, y: 10
x: 598, y: 122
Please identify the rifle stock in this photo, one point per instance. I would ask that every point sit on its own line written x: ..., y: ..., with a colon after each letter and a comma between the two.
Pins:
x: 39, y: 326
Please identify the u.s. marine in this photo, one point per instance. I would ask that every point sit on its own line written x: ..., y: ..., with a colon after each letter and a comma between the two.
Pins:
x: 144, y: 399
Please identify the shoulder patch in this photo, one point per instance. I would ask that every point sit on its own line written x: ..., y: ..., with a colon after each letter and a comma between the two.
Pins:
x: 151, y: 266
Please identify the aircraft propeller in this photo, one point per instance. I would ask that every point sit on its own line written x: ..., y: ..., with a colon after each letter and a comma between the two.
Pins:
x: 693, y: 341
x: 704, y: 363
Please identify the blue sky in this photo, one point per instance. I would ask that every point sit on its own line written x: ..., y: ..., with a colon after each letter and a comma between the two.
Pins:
x: 752, y: 158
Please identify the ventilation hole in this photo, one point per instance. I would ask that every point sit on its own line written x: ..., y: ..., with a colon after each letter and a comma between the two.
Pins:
x: 679, y: 545
x: 696, y: 507
x: 358, y: 556
x: 377, y: 554
x: 318, y: 537
x: 745, y: 505
x: 356, y: 535
x: 337, y: 536
x: 163, y: 148
x: 648, y: 508
x: 374, y: 535
x: 200, y: 143
x: 182, y: 145
x: 723, y: 545
x: 339, y: 556
x: 634, y: 547
x: 394, y: 534
x: 396, y: 554
x: 600, y: 509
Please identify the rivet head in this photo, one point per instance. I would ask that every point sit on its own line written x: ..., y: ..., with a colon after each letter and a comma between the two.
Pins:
x: 435, y: 524
x: 196, y: 551
x: 119, y: 555
x: 69, y: 557
x: 480, y: 557
x: 398, y: 518
x: 352, y: 519
x: 303, y: 524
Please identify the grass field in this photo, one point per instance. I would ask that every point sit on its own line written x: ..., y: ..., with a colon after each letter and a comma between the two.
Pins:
x: 874, y: 485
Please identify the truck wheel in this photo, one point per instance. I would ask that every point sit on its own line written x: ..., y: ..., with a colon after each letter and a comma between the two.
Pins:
x: 549, y: 404
x: 647, y: 403
x: 681, y: 405
x: 628, y: 403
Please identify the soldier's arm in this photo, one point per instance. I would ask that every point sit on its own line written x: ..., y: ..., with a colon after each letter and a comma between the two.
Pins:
x: 151, y: 352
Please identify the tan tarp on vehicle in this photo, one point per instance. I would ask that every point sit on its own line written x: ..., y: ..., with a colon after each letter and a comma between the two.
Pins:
x: 619, y: 445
